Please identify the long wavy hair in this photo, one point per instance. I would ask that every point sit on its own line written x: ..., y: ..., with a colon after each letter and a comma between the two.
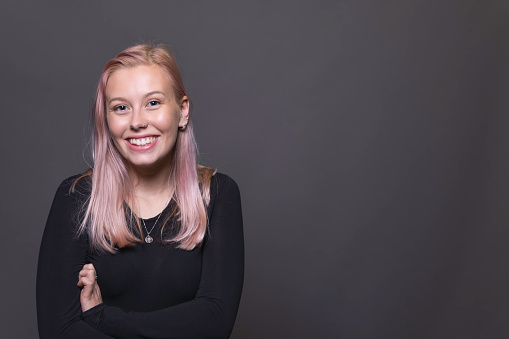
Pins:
x: 106, y: 217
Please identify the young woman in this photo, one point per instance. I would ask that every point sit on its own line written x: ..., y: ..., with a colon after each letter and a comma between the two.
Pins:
x: 147, y: 244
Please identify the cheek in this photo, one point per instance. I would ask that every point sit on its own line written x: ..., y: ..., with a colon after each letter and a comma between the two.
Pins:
x: 115, y: 127
x: 168, y: 120
x: 168, y: 125
x: 116, y: 131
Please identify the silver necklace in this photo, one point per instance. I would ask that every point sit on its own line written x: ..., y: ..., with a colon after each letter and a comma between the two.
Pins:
x: 148, y: 238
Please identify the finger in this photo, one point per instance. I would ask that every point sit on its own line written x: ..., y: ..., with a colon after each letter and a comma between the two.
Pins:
x: 85, y: 281
x: 85, y: 272
x: 82, y: 281
x: 92, y: 276
x: 88, y: 272
x: 89, y: 276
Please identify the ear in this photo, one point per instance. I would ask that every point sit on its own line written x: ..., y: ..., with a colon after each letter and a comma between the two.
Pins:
x: 184, y: 111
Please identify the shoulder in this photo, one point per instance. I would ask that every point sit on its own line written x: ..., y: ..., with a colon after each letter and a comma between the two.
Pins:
x: 222, y: 182
x: 76, y: 187
x: 223, y: 189
x: 225, y: 210
x: 72, y: 194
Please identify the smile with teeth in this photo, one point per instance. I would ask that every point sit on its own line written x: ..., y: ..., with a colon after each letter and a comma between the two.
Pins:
x: 142, y: 141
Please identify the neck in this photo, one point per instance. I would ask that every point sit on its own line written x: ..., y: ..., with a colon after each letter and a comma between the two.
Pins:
x: 152, y: 190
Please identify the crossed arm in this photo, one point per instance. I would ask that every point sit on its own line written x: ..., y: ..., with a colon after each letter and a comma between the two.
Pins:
x: 66, y: 310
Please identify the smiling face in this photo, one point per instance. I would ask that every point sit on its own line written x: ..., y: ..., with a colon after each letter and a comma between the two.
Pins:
x: 143, y: 115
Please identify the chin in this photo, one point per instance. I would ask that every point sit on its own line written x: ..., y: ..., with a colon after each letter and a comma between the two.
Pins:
x: 147, y: 164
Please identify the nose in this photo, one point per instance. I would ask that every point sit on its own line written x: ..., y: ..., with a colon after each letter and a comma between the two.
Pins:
x: 137, y: 122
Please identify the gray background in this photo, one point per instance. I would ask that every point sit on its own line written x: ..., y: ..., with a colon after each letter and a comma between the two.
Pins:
x: 368, y: 138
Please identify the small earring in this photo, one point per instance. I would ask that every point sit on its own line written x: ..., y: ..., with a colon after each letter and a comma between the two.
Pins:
x: 183, y: 127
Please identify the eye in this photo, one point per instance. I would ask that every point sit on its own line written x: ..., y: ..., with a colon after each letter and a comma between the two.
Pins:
x: 153, y: 103
x: 120, y: 108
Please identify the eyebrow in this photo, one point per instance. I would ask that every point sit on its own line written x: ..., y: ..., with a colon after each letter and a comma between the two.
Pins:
x: 146, y: 95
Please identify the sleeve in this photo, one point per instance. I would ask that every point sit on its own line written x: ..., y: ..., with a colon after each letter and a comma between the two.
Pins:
x: 61, y: 257
x: 212, y: 313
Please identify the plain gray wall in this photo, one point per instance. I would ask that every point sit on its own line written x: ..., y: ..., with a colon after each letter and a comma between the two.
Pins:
x: 368, y: 139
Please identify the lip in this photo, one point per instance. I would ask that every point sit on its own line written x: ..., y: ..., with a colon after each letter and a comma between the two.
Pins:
x: 144, y: 147
x: 139, y: 136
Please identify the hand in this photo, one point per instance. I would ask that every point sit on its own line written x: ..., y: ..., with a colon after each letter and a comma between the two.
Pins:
x: 90, y: 294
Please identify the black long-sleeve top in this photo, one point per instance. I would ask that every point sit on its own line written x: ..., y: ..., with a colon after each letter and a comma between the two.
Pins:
x: 149, y: 290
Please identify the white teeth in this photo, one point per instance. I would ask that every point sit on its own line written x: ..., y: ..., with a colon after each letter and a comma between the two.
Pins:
x: 142, y: 141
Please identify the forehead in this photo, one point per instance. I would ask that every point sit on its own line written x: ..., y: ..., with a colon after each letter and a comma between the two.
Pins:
x: 137, y: 80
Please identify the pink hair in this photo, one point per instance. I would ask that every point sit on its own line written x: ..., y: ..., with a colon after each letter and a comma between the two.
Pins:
x: 105, y: 211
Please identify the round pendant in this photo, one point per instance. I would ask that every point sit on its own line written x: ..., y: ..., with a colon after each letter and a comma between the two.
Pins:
x: 148, y: 239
